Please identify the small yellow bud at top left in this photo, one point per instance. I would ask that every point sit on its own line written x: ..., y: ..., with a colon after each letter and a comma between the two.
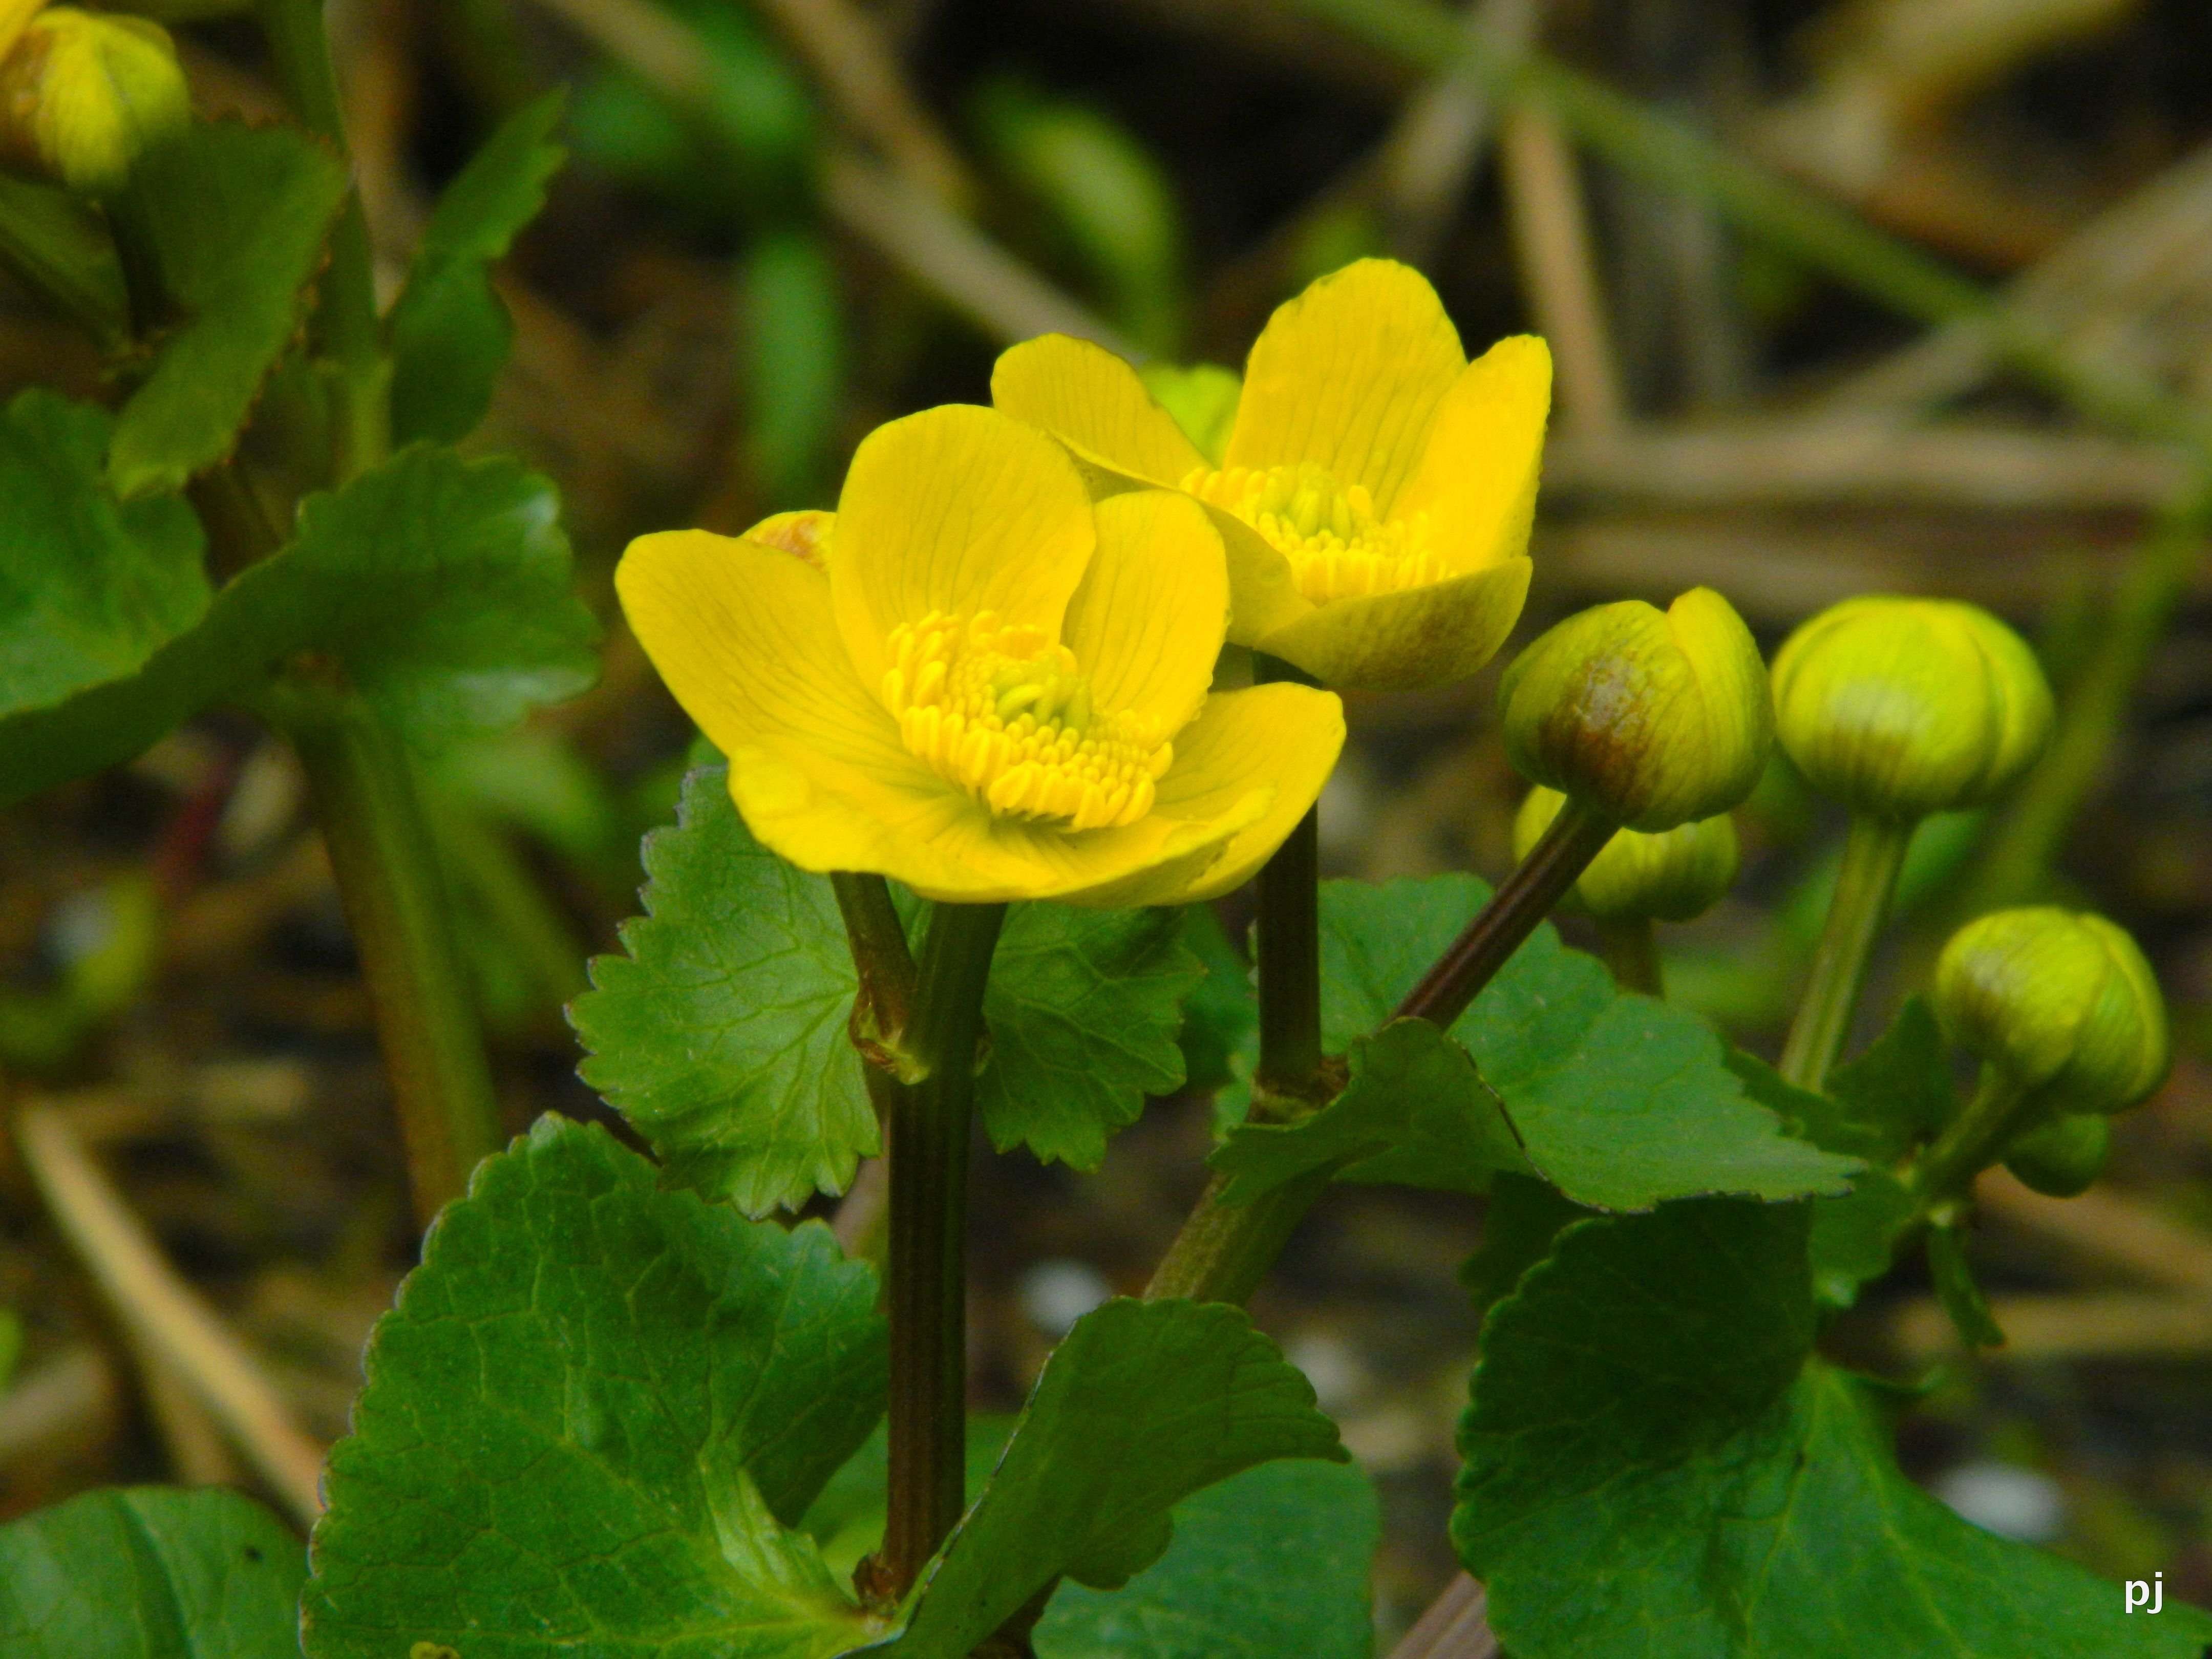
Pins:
x: 83, y: 97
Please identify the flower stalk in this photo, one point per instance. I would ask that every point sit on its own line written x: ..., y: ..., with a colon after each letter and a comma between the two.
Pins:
x: 398, y: 910
x: 1630, y: 947
x: 1524, y: 898
x: 1873, y: 854
x: 927, y: 1290
x: 1289, y: 945
x: 1223, y: 1251
x: 1970, y: 1143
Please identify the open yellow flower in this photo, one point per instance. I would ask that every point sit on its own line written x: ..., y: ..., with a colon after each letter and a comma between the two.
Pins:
x: 1376, y: 494
x: 972, y: 680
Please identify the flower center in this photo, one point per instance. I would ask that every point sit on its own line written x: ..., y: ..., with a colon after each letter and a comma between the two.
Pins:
x: 1007, y: 716
x: 1338, y: 548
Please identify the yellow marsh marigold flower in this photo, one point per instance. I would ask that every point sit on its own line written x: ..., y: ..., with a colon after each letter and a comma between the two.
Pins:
x: 83, y: 96
x: 1376, y: 490
x: 971, y: 679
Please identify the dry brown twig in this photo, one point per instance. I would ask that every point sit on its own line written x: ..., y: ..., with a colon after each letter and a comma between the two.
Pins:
x: 1558, y: 270
x: 165, y: 1315
x: 860, y: 73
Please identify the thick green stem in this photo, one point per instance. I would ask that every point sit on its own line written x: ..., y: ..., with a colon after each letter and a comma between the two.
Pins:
x: 345, y: 329
x: 927, y: 1149
x: 1223, y: 1251
x: 1288, y: 956
x: 1631, y: 948
x: 1524, y: 898
x: 1874, y: 852
x: 387, y: 875
x: 1288, y: 959
x: 2017, y: 864
x: 1972, y: 1141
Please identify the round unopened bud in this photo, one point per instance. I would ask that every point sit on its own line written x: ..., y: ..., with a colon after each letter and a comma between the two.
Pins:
x: 2061, y: 1156
x: 83, y: 97
x: 1644, y: 717
x: 1674, y: 876
x: 2061, y: 1003
x: 1900, y: 707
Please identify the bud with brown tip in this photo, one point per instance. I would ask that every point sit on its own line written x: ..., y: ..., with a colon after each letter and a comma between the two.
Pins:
x: 1645, y: 718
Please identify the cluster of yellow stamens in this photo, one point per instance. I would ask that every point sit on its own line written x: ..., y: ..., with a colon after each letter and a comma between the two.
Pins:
x: 1337, y: 547
x: 1007, y: 715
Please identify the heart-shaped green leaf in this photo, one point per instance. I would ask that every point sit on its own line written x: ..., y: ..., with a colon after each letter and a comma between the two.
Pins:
x: 590, y: 1422
x: 150, y: 1572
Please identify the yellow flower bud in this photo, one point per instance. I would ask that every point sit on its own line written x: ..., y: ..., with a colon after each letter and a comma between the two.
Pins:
x: 2060, y: 1157
x: 83, y: 97
x: 1674, y: 876
x: 1900, y: 707
x: 2061, y: 1003
x: 1647, y: 718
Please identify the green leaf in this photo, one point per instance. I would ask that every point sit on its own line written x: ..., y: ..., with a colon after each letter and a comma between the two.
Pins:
x: 1271, y: 1564
x: 588, y: 1422
x: 150, y: 1572
x: 1658, y: 1468
x: 1144, y: 1404
x: 1414, y: 1112
x: 90, y: 587
x: 1958, y: 1290
x: 61, y: 250
x: 1898, y: 1091
x: 1854, y: 1237
x: 1084, y: 1010
x: 238, y: 216
x: 449, y: 331
x: 722, y: 1034
x: 441, y: 585
x: 1620, y: 1101
x: 1519, y: 1223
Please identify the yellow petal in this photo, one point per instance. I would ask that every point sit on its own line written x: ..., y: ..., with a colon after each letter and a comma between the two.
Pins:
x: 744, y: 635
x: 1477, y: 478
x: 1348, y: 376
x: 1263, y: 592
x: 1288, y: 735
x: 1147, y: 623
x: 1092, y: 401
x: 1407, y: 640
x: 959, y: 510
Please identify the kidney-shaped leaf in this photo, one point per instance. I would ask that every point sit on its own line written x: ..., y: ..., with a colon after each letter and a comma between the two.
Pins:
x: 443, y: 584
x: 89, y: 586
x: 591, y: 1421
x: 1658, y: 1468
x: 237, y: 216
x: 1144, y: 1404
x: 1621, y: 1101
x: 1271, y: 1564
x: 150, y: 1572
